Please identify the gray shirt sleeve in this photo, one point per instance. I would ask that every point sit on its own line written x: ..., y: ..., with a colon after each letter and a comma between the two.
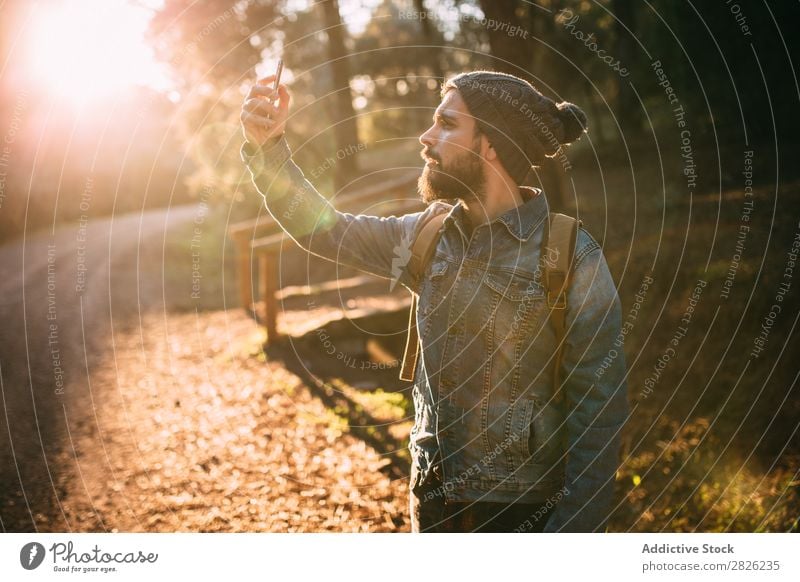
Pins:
x: 377, y: 245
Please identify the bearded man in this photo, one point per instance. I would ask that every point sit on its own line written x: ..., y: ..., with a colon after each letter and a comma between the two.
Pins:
x: 495, y: 446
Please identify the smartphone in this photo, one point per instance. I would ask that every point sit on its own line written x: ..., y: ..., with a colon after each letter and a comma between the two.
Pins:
x: 278, y: 75
x: 277, y: 80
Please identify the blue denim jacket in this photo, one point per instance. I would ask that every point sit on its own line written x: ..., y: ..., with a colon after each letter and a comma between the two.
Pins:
x: 483, y: 393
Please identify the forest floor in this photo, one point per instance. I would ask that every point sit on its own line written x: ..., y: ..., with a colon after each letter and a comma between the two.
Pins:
x: 171, y: 418
x: 150, y: 408
x: 196, y: 432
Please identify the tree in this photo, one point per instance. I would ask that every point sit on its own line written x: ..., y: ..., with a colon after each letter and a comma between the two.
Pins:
x: 431, y: 38
x: 343, y: 115
x: 512, y: 52
x: 628, y: 110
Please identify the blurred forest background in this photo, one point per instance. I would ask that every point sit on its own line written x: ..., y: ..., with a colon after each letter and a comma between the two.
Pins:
x: 141, y: 112
x: 361, y: 73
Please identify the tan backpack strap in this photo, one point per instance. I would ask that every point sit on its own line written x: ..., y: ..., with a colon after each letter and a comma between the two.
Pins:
x: 412, y: 344
x: 424, y: 244
x: 422, y: 249
x: 558, y: 250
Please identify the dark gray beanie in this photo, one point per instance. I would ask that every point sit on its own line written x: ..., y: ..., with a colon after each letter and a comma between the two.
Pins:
x: 522, y: 125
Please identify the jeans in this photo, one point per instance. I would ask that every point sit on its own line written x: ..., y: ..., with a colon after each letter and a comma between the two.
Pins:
x: 431, y: 514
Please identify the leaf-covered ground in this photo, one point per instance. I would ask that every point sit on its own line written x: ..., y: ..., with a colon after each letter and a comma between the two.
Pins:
x: 195, y: 431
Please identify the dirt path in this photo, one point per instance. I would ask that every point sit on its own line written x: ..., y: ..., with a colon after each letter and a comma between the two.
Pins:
x: 119, y: 414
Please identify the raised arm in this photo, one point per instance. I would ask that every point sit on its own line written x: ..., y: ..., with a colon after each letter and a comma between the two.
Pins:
x: 378, y: 245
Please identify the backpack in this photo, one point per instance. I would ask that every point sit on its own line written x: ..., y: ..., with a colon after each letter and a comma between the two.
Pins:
x: 561, y: 233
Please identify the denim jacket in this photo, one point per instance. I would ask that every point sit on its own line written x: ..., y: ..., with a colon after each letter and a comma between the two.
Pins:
x: 483, y: 389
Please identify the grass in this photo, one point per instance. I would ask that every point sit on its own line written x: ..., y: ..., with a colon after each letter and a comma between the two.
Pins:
x: 714, y: 447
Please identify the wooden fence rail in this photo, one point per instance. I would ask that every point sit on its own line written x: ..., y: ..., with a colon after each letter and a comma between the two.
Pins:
x: 262, y: 240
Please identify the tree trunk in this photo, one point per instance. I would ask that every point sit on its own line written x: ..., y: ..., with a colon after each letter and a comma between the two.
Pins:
x: 507, y: 36
x: 431, y: 40
x: 628, y: 109
x: 345, y: 130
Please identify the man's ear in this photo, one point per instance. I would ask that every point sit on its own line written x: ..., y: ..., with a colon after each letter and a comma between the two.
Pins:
x: 489, y: 152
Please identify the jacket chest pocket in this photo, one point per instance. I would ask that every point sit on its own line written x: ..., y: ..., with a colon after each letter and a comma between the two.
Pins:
x: 514, y: 303
x: 433, y: 292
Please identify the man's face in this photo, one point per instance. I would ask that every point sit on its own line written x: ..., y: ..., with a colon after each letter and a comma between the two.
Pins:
x: 453, y: 168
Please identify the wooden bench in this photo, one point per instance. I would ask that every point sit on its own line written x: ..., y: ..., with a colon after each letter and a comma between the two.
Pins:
x: 261, y: 241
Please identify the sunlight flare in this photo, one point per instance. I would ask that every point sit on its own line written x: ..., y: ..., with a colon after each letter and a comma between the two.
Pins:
x: 90, y: 49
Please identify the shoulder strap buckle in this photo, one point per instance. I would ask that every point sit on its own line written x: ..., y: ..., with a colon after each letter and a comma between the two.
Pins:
x: 556, y: 285
x: 557, y: 300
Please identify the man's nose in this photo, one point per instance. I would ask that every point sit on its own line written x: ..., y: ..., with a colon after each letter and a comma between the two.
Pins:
x: 426, y: 138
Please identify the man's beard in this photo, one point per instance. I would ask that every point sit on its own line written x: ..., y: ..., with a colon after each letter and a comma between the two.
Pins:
x: 463, y: 179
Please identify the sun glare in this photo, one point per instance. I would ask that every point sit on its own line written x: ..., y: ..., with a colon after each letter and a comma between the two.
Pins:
x: 83, y: 50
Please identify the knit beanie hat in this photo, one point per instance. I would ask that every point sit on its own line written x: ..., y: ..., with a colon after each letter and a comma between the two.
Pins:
x: 522, y: 125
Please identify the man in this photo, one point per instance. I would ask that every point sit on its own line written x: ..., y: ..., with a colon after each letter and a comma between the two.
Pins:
x: 495, y: 447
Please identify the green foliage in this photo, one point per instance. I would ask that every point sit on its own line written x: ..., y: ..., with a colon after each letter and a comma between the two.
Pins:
x: 686, y: 484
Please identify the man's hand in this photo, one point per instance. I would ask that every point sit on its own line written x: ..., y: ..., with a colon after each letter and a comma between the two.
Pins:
x: 261, y: 119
